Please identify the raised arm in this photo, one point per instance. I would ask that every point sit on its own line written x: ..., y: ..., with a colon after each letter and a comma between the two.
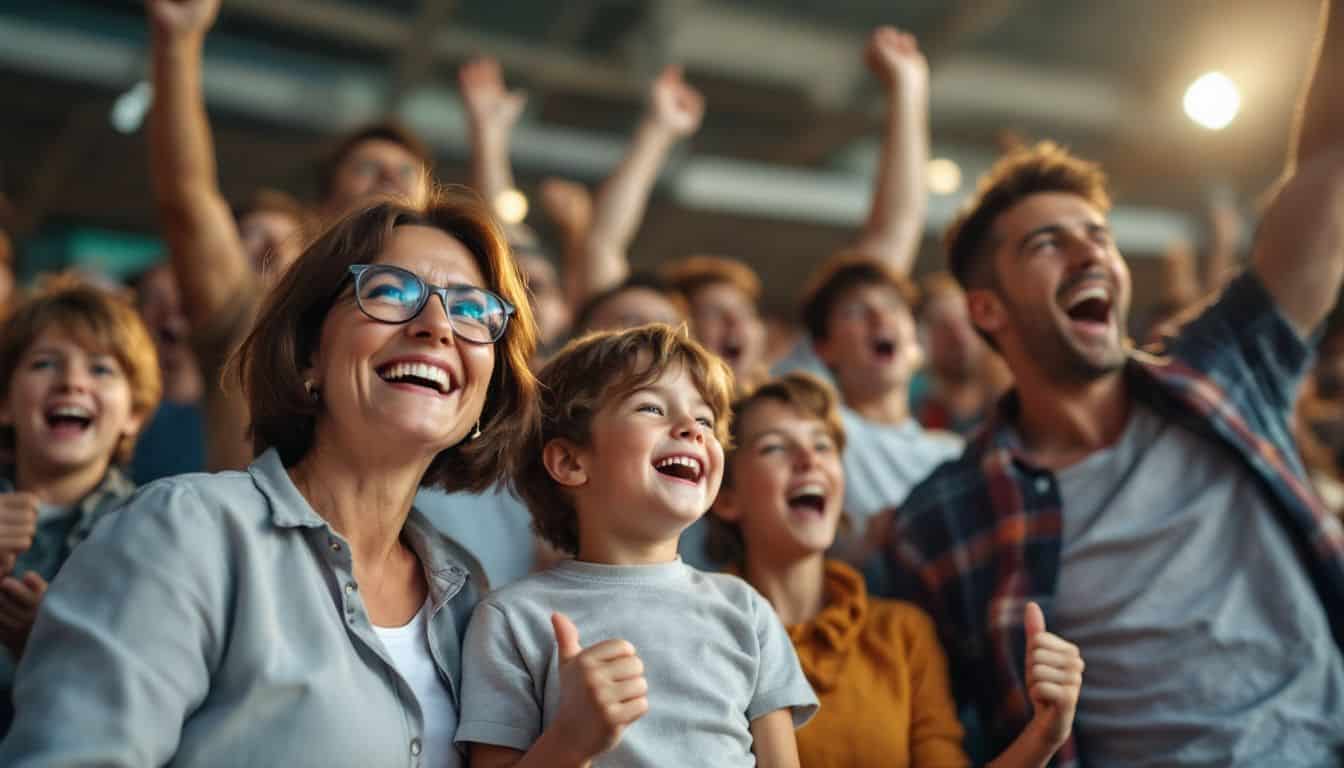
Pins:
x: 492, y: 111
x: 1299, y: 253
x: 895, y: 222
x: 203, y: 243
x: 675, y: 111
x: 569, y: 206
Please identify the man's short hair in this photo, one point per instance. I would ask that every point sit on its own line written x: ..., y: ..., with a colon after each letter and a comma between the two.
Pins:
x: 691, y: 274
x: 805, y: 393
x: 841, y: 274
x: 386, y: 130
x: 585, y: 375
x: 99, y: 321
x: 1023, y: 172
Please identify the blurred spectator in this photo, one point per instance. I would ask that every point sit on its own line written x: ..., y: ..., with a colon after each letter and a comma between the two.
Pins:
x: 966, y: 377
x: 78, y: 378
x: 638, y: 300
x: 722, y: 297
x: 173, y: 442
x: 7, y: 281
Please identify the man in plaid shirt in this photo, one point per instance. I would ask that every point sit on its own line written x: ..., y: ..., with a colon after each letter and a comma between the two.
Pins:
x: 1155, y: 506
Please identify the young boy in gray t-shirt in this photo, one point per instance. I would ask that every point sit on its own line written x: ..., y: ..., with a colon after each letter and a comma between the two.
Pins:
x: 680, y: 667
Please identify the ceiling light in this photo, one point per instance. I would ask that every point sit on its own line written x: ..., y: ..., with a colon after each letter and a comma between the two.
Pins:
x: 1212, y: 101
x: 944, y: 176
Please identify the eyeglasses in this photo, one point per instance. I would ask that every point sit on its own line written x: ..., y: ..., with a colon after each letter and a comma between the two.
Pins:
x: 391, y: 294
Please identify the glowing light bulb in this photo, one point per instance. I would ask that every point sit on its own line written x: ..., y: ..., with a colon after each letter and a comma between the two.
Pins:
x: 511, y: 206
x: 1212, y: 101
x: 944, y: 176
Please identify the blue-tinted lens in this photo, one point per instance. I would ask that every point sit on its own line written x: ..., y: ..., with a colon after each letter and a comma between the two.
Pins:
x: 477, y: 315
x: 390, y: 294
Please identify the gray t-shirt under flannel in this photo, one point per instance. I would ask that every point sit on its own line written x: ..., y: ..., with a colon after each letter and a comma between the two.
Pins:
x: 715, y: 656
x: 1204, y: 641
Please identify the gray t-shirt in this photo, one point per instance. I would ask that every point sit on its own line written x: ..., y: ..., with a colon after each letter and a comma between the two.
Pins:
x: 883, y: 463
x: 494, y: 526
x: 715, y: 657
x: 1204, y: 641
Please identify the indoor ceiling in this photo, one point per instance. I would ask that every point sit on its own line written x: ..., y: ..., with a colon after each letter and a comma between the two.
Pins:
x: 778, y: 174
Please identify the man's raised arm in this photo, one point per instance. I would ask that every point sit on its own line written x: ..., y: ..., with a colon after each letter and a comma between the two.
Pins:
x: 1299, y: 252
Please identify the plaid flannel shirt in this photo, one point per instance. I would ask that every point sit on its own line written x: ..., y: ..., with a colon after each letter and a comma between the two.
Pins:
x: 982, y: 535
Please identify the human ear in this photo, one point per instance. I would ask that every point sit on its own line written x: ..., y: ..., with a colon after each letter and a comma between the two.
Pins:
x: 986, y: 310
x: 565, y: 463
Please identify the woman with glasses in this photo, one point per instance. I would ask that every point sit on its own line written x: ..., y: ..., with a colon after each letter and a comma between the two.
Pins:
x: 302, y: 612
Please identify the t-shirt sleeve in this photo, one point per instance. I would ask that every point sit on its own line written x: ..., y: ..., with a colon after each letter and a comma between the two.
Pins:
x: 780, y: 683
x: 500, y: 703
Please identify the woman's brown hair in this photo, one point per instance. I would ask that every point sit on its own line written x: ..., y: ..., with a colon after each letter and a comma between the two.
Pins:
x: 271, y: 362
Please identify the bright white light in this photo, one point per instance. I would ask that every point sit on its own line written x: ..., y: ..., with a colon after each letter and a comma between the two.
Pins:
x: 511, y: 206
x: 1212, y: 101
x: 944, y: 176
x: 130, y: 108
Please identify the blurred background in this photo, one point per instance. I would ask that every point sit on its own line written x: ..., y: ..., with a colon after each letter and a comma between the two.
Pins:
x: 780, y: 173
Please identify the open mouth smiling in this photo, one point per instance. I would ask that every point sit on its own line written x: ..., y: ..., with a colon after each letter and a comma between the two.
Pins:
x: 424, y: 375
x: 687, y: 469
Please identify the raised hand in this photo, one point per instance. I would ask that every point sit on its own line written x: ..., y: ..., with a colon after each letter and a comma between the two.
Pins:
x: 895, y: 58
x: 1054, y: 680
x: 490, y: 106
x: 602, y: 690
x: 568, y: 203
x: 182, y: 18
x: 18, y: 525
x: 674, y: 104
x: 19, y: 601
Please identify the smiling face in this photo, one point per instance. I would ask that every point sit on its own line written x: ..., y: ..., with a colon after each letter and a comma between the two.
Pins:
x: 726, y: 322
x: 787, y: 483
x: 652, y: 465
x: 414, y: 386
x: 870, y: 344
x: 1061, y: 303
x: 69, y: 407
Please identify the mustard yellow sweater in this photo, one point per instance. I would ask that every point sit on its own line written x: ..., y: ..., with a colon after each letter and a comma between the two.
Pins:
x: 881, y: 676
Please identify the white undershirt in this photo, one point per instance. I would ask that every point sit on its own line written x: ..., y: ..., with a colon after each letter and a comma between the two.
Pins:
x: 409, y: 648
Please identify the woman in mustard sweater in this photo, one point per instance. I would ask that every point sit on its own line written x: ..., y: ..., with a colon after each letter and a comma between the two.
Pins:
x: 876, y: 665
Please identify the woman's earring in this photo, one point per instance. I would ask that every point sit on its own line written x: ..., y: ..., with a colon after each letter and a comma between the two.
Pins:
x: 310, y: 387
x: 477, y: 432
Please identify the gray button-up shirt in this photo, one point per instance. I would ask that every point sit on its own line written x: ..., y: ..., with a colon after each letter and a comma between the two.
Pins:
x: 215, y: 621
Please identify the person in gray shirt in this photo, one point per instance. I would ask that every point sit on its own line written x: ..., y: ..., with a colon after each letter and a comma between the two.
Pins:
x: 1154, y: 504
x: 247, y: 618
x: 682, y: 667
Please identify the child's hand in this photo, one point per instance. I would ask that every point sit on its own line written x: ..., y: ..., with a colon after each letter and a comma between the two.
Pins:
x: 602, y: 690
x: 1054, y: 679
x: 18, y: 525
x: 19, y: 601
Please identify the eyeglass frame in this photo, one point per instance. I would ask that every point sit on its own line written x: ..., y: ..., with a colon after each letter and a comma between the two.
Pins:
x: 357, y: 272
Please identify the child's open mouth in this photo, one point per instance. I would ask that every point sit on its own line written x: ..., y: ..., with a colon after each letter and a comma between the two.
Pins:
x: 884, y: 350
x: 685, y: 468
x: 808, y: 500
x: 68, y: 420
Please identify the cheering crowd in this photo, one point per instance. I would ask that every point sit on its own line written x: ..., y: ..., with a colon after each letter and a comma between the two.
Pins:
x: 377, y: 479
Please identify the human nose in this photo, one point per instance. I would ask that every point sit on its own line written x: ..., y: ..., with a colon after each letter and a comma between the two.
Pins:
x: 73, y: 378
x: 433, y: 322
x: 687, y: 427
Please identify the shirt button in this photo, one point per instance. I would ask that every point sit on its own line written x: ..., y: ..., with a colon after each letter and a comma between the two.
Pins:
x: 335, y: 546
x: 415, y: 746
x: 1042, y: 485
x: 350, y: 588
